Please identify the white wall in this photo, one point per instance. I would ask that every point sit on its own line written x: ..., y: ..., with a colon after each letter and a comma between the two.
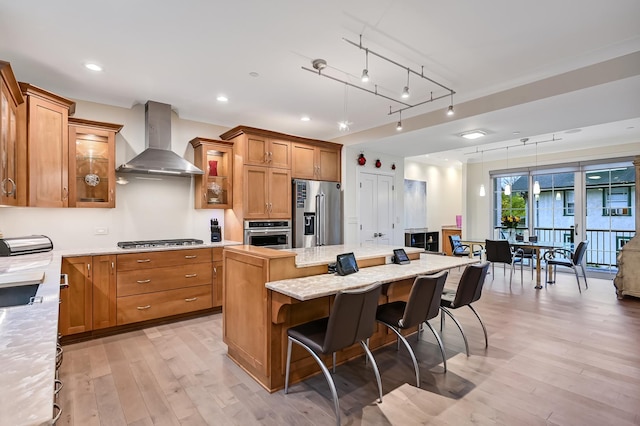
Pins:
x: 477, y: 210
x: 350, y: 170
x: 145, y: 209
x: 444, y: 192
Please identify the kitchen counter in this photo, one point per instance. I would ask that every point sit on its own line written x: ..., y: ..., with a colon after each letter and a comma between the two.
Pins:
x: 315, y: 286
x: 28, y: 337
x: 117, y: 250
x: 323, y: 255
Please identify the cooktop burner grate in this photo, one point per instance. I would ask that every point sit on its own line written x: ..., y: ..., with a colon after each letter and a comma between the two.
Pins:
x: 159, y: 243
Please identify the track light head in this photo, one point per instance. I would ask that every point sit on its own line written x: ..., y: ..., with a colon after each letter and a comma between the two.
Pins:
x: 365, y: 75
x: 399, y: 126
x: 450, y: 110
x: 319, y: 64
x: 405, y: 92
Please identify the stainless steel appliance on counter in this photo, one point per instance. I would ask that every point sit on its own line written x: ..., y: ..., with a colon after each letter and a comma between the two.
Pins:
x: 25, y: 245
x: 268, y: 233
x: 317, y: 213
x: 159, y: 243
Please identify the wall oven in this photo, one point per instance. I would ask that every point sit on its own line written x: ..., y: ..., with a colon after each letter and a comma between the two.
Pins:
x: 268, y: 233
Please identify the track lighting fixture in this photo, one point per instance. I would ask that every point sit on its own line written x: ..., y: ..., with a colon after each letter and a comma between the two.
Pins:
x: 399, y: 125
x: 319, y: 65
x: 365, y: 71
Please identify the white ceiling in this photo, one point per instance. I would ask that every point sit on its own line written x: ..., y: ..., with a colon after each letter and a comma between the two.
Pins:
x: 537, y: 68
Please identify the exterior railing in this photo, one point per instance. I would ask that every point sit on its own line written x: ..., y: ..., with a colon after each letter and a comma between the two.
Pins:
x: 604, y: 244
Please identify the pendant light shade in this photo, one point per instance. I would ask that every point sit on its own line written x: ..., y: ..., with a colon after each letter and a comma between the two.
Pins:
x: 536, y: 188
x: 482, y: 191
x: 507, y: 189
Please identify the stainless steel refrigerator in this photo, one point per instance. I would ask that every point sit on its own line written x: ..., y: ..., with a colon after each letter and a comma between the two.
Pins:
x: 317, y: 213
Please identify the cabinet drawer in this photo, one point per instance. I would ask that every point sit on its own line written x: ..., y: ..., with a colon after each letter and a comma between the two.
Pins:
x: 144, y: 307
x: 160, y: 279
x: 158, y: 259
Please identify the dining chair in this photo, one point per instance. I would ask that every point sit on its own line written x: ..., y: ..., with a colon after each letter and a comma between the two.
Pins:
x: 352, y: 319
x: 570, y: 260
x: 500, y: 251
x: 469, y: 291
x: 423, y: 304
x: 462, y: 250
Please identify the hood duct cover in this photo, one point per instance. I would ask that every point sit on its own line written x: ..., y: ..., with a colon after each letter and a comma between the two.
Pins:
x: 158, y: 158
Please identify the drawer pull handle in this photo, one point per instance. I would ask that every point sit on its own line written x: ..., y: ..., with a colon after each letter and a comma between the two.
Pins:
x: 143, y: 281
x: 143, y: 260
x: 193, y: 299
x: 191, y: 256
x: 143, y: 308
x: 190, y: 275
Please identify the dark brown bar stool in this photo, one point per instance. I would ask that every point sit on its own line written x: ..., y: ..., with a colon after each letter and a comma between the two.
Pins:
x: 352, y: 319
x: 423, y: 305
x: 469, y: 290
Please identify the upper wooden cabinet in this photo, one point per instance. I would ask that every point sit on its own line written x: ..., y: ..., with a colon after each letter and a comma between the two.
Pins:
x: 214, y: 189
x: 47, y: 140
x: 316, y: 162
x: 260, y: 148
x: 267, y: 193
x: 92, y: 149
x: 10, y: 154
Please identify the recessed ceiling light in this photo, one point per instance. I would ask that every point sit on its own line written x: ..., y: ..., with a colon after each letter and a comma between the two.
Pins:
x: 517, y: 132
x: 305, y: 118
x: 93, y: 67
x: 254, y: 74
x: 473, y: 134
x: 222, y: 98
x: 568, y: 132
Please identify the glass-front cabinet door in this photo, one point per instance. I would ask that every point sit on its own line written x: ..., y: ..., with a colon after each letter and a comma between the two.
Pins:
x: 213, y: 190
x: 92, y: 163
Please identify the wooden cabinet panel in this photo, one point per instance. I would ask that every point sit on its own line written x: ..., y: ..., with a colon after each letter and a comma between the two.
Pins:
x: 256, y: 150
x: 104, y: 291
x: 10, y: 98
x: 162, y: 304
x: 256, y: 190
x: 446, y: 244
x: 160, y: 279
x: 92, y: 152
x: 157, y: 259
x: 76, y: 300
x: 303, y: 163
x: 47, y: 142
x: 279, y: 194
x: 217, y: 284
x: 279, y: 154
x: 328, y: 162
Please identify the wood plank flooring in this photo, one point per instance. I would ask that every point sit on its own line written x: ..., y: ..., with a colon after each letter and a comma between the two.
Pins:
x: 555, y: 357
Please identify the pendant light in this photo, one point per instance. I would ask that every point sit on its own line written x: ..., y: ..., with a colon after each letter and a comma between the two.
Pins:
x: 405, y: 91
x: 507, y: 187
x: 482, y: 191
x: 450, y: 109
x: 536, y: 184
x: 365, y: 71
x: 399, y: 125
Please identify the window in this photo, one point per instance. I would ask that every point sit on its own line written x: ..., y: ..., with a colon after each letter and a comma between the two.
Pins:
x: 569, y: 203
x: 616, y: 201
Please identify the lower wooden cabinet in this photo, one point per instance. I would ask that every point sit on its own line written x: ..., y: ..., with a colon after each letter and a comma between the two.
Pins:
x: 218, y: 276
x: 160, y: 304
x: 76, y: 301
x: 104, y: 291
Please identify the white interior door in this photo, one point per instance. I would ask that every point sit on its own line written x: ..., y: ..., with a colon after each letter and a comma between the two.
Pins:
x: 376, y: 208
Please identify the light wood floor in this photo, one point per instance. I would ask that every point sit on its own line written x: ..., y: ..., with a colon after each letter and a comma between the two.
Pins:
x: 555, y: 357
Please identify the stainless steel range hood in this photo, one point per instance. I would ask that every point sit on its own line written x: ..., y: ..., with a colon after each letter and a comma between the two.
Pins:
x: 158, y: 158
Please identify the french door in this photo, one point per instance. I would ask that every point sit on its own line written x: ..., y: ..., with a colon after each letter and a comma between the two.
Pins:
x: 376, y: 208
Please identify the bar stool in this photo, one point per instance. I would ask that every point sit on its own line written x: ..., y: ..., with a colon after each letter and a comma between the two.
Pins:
x: 469, y: 290
x: 352, y: 319
x: 423, y: 305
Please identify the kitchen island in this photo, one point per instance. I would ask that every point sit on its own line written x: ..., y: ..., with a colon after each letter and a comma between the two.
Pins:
x: 268, y: 291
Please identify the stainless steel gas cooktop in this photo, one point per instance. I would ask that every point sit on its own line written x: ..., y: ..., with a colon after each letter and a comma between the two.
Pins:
x: 159, y: 243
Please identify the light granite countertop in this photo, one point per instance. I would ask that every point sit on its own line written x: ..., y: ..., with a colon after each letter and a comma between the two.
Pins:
x: 323, y: 255
x: 327, y: 284
x: 28, y: 335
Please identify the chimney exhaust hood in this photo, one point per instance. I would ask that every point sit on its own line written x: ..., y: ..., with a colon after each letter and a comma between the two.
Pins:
x: 157, y: 158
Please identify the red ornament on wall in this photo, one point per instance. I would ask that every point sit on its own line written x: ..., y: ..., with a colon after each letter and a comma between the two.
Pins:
x: 378, y: 164
x: 362, y: 160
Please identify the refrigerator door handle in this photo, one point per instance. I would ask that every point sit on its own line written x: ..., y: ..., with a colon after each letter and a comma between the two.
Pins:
x: 318, y: 221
